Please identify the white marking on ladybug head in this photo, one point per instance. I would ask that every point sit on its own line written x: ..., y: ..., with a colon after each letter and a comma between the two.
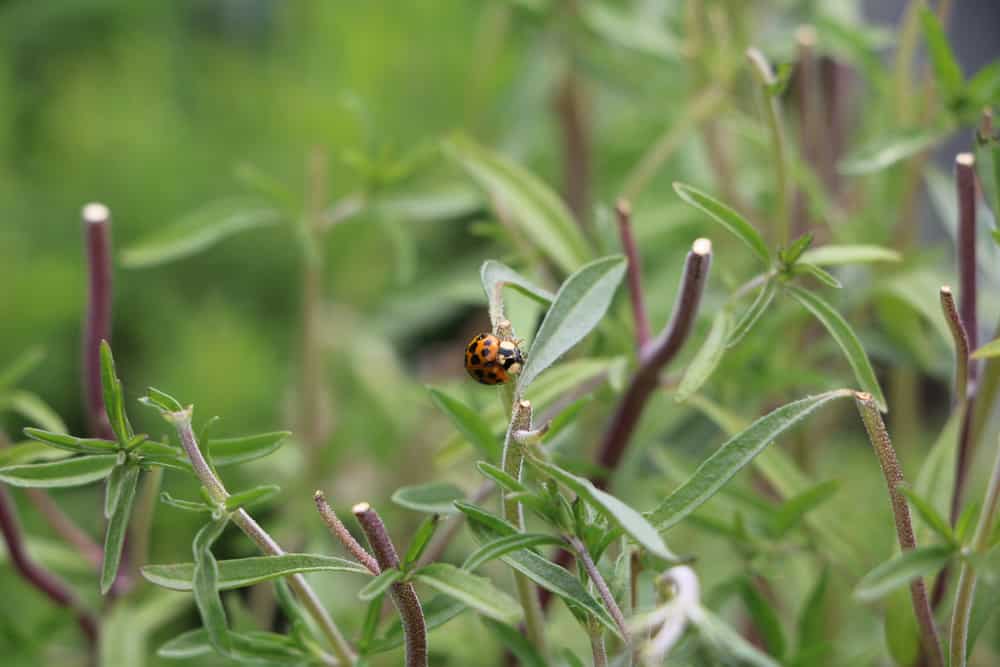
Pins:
x: 514, y: 368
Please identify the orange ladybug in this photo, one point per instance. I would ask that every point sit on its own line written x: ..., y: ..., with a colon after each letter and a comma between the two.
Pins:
x: 490, y: 360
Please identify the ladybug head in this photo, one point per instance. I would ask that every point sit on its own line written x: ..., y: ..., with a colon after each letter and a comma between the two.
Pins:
x: 510, y: 357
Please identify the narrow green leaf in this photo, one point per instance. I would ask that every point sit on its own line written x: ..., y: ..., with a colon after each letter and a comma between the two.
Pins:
x: 825, y: 277
x: 425, y: 531
x: 162, y: 400
x: 249, y: 648
x: 242, y: 572
x: 519, y: 646
x: 846, y: 339
x: 257, y: 494
x: 186, y: 505
x: 929, y: 515
x: 794, y: 509
x: 707, y: 358
x: 70, y: 443
x: 474, y: 591
x: 380, y: 584
x: 114, y: 536
x: 733, y: 456
x: 901, y: 569
x: 617, y: 512
x: 566, y: 417
x: 837, y: 255
x: 504, y: 545
x: 70, y: 472
x: 947, y: 71
x: 26, y: 362
x: 504, y: 480
x: 433, y: 498
x: 205, y: 578
x: 34, y: 409
x: 496, y: 275
x: 469, y: 423
x: 199, y: 231
x: 765, y: 619
x: 812, y: 619
x: 368, y: 629
x: 113, y: 488
x: 888, y: 150
x: 437, y: 612
x: 727, y: 217
x: 528, y: 202
x: 750, y: 316
x: 230, y: 451
x: 114, y: 400
x: 578, y: 307
x: 28, y: 452
x: 988, y: 351
x: 726, y: 641
x: 983, y: 88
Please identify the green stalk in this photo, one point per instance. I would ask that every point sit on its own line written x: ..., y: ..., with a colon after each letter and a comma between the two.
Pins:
x: 765, y: 77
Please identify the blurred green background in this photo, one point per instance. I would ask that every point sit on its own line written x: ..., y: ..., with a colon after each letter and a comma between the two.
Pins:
x: 156, y: 108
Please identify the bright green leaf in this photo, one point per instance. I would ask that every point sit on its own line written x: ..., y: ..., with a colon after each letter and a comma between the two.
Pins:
x: 421, y: 538
x: 506, y: 544
x: 469, y: 423
x: 837, y: 255
x: 765, y: 619
x: 928, y: 514
x: 114, y: 536
x: 70, y: 472
x: 34, y: 409
x: 70, y: 443
x: 707, y: 358
x: 887, y: 151
x: 433, y: 498
x: 794, y: 509
x: 380, y: 584
x: 902, y: 569
x: 258, y: 494
x: 947, y: 71
x: 114, y: 398
x: 988, y: 351
x: 727, y: 217
x: 750, y: 316
x: 205, y: 578
x: 474, y: 591
x: 242, y: 572
x: 229, y: 451
x: 812, y: 619
x: 186, y: 505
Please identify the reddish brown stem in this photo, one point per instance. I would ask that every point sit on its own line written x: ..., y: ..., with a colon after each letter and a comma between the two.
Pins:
x: 623, y: 213
x: 97, y: 326
x: 339, y: 530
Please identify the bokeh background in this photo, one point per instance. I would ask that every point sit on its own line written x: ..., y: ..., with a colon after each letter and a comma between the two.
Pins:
x: 158, y: 108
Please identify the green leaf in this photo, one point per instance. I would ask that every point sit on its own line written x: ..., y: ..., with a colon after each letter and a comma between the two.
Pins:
x: 790, y: 255
x: 518, y: 645
x: 733, y: 456
x: 21, y: 366
x: 929, y: 515
x: 34, y: 409
x: 70, y: 472
x: 161, y: 400
x: 846, y: 339
x: 114, y: 400
x: 837, y: 255
x: 707, y: 358
x: 504, y: 545
x: 750, y: 316
x: 114, y: 536
x: 983, y: 88
x: 368, y: 629
x: 469, y: 423
x: 474, y: 591
x: 113, y: 488
x: 252, y: 648
x: 496, y: 275
x: 488, y: 527
x: 421, y: 539
x: 578, y: 307
x: 812, y: 619
x: 242, y: 572
x: 504, y: 480
x: 988, y: 351
x: 199, y: 231
x: 186, y: 505
x: 723, y: 639
x: 29, y: 451
x: 901, y: 569
x: 380, y: 584
x: 70, y: 443
x: 437, y: 612
x: 230, y: 451
x: 765, y: 619
x: 727, y: 217
x: 887, y: 151
x: 794, y: 509
x: 618, y: 513
x: 819, y: 274
x: 947, y: 71
x: 902, y: 635
x: 433, y: 498
x: 257, y: 494
x: 205, y: 586
x: 566, y: 417
x: 528, y: 202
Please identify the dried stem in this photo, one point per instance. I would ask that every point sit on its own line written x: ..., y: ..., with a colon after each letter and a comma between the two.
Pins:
x: 49, y: 584
x: 623, y: 213
x: 765, y: 77
x: 657, y: 354
x: 263, y: 540
x: 879, y: 438
x: 602, y: 586
x: 967, y: 578
x: 339, y: 531
x: 97, y: 325
x: 403, y: 595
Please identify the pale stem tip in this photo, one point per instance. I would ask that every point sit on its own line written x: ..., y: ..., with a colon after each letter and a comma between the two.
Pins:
x: 96, y: 213
x: 863, y: 396
x: 361, y: 508
x: 945, y: 289
x: 623, y: 207
x: 525, y: 404
x: 701, y: 247
x: 806, y: 35
x: 319, y: 495
x: 965, y: 159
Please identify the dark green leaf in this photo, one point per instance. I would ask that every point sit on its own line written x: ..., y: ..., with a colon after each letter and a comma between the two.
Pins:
x: 765, y: 619
x: 380, y: 584
x: 474, y: 591
x: 848, y: 341
x: 733, y: 456
x: 70, y: 472
x: 469, y: 423
x: 726, y: 641
x: 198, y: 231
x: 421, y: 538
x: 114, y: 536
x: 750, y: 316
x: 372, y: 617
x: 795, y: 508
x: 70, y: 443
x: 578, y: 307
x: 528, y: 202
x: 433, y: 498
x: 230, y: 451
x: 947, y: 71
x: 727, y: 217
x: 258, y: 494
x: 242, y: 572
x: 812, y: 619
x: 114, y: 399
x: 901, y: 569
x: 928, y: 514
x: 525, y: 652
x: 794, y: 251
x: 707, y: 358
x: 836, y: 255
x: 504, y: 545
x: 205, y: 578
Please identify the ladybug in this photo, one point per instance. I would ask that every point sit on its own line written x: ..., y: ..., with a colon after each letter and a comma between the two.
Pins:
x: 490, y: 360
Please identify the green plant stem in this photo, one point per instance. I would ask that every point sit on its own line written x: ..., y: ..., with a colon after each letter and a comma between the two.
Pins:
x: 967, y: 578
x: 217, y: 491
x: 765, y: 78
x: 599, y: 583
x: 403, y: 595
x: 598, y: 649
x: 513, y: 464
x: 879, y: 438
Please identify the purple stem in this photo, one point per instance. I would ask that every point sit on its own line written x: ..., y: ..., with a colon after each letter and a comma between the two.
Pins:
x: 97, y: 327
x: 965, y: 182
x: 623, y: 211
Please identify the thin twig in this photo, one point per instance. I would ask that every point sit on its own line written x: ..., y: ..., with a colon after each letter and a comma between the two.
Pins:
x: 623, y: 213
x: 403, y: 595
x: 339, y: 531
x: 879, y: 438
x: 97, y: 325
x: 49, y: 584
x: 961, y: 340
x: 602, y: 586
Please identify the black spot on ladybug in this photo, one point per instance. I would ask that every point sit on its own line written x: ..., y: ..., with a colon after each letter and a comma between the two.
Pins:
x: 479, y: 373
x: 472, y: 347
x: 486, y: 343
x: 474, y: 359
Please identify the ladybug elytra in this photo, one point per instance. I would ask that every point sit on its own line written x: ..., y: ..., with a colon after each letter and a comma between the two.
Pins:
x: 490, y: 360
